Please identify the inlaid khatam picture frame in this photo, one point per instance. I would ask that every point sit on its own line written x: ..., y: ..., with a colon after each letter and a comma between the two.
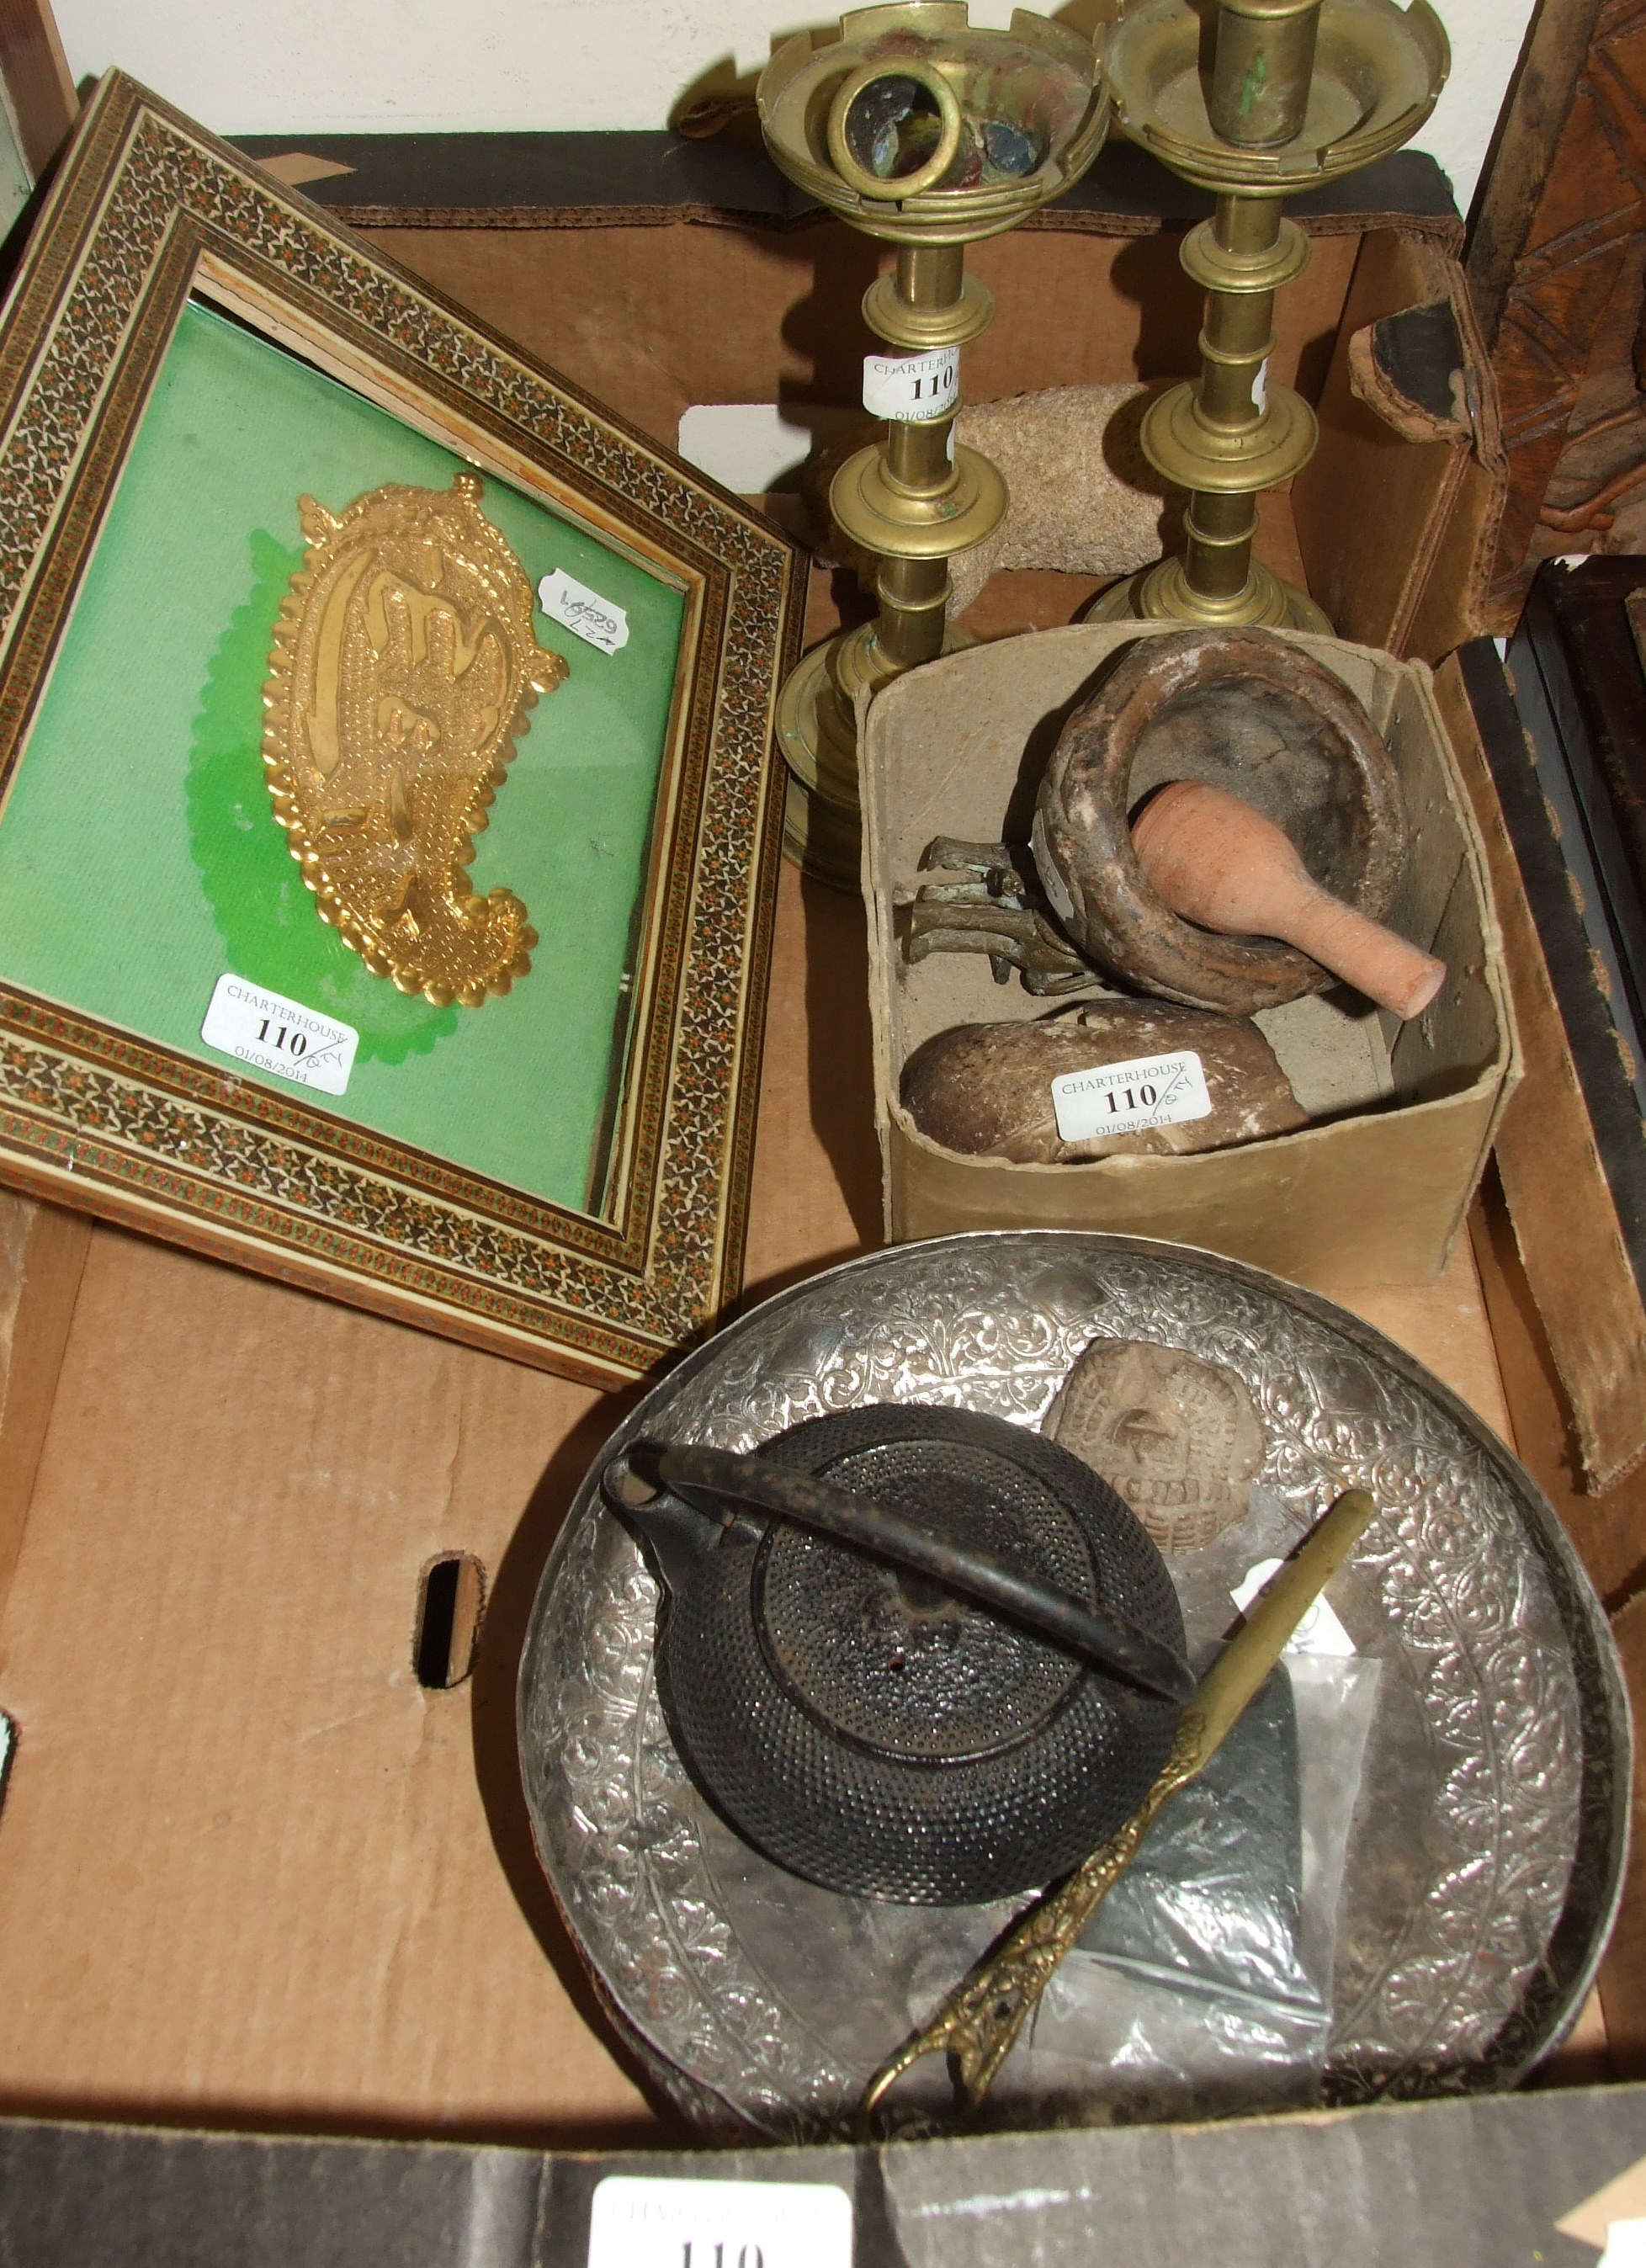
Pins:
x: 388, y: 822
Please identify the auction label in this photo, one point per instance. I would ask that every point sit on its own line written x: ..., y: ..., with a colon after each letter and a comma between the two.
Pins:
x: 280, y: 1035
x: 1128, y: 1098
x: 584, y: 612
x: 637, y: 2221
x: 913, y: 389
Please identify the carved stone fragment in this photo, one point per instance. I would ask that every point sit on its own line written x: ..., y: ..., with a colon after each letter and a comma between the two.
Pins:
x: 1179, y: 1439
x: 985, y: 1089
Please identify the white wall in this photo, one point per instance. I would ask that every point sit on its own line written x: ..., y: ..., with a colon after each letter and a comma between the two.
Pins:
x: 1486, y: 42
x: 365, y: 66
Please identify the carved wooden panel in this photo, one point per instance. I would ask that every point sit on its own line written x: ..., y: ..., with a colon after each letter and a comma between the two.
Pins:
x: 1559, y: 237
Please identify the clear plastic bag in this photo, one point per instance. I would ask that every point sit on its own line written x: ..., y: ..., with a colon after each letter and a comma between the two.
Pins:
x: 1203, y: 1986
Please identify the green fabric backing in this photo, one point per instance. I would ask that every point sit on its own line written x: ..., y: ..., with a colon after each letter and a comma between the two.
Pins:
x: 139, y: 854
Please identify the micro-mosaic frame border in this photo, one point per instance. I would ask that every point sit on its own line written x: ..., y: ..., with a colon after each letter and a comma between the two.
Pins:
x: 147, y: 211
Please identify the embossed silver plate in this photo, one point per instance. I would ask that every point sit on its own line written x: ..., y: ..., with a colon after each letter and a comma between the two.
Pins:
x: 1485, y: 1859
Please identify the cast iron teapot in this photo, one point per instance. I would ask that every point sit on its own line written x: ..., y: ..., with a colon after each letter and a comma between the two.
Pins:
x: 909, y: 1653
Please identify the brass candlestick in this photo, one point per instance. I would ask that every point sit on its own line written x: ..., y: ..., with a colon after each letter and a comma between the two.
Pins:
x: 1299, y: 91
x: 925, y: 134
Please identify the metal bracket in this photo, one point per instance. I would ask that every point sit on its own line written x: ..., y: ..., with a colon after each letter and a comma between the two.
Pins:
x: 998, y: 910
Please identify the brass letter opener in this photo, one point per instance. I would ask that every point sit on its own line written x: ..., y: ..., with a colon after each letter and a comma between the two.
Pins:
x: 980, y: 2021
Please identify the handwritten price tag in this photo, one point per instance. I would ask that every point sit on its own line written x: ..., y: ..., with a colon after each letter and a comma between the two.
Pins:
x: 582, y: 611
x: 914, y: 389
x: 639, y: 2222
x: 1128, y: 1098
x: 281, y: 1035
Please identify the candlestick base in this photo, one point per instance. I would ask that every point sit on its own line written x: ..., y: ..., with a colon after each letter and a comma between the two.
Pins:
x: 817, y: 734
x: 1162, y: 593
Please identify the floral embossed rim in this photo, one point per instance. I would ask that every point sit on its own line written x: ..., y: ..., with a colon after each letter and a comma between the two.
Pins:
x: 146, y: 209
x: 1495, y: 1635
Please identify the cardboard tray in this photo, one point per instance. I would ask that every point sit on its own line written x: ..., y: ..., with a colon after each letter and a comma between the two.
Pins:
x: 1468, y: 2184
x: 1373, y: 1193
x: 655, y: 306
x: 253, y: 1873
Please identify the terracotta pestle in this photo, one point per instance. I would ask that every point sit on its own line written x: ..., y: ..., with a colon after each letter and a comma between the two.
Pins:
x: 1217, y: 861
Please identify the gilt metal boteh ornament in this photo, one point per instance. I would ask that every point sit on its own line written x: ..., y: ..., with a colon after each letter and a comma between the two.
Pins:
x: 404, y: 668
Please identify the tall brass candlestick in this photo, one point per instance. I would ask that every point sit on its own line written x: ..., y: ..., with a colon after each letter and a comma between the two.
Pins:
x: 1299, y: 91
x: 926, y: 133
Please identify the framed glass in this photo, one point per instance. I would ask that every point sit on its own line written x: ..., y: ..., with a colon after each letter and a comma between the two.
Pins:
x: 388, y: 831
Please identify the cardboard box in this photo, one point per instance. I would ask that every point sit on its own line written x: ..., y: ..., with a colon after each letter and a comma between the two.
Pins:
x: 1461, y: 2184
x: 253, y: 1873
x: 1377, y: 1190
x: 709, y: 279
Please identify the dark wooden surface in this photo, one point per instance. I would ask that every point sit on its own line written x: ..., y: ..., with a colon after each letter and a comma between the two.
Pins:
x: 1577, y: 625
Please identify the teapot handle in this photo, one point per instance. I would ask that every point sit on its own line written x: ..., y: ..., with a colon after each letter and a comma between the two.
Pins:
x: 719, y: 1485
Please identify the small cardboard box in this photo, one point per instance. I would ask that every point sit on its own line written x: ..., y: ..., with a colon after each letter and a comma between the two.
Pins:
x: 1375, y: 1189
